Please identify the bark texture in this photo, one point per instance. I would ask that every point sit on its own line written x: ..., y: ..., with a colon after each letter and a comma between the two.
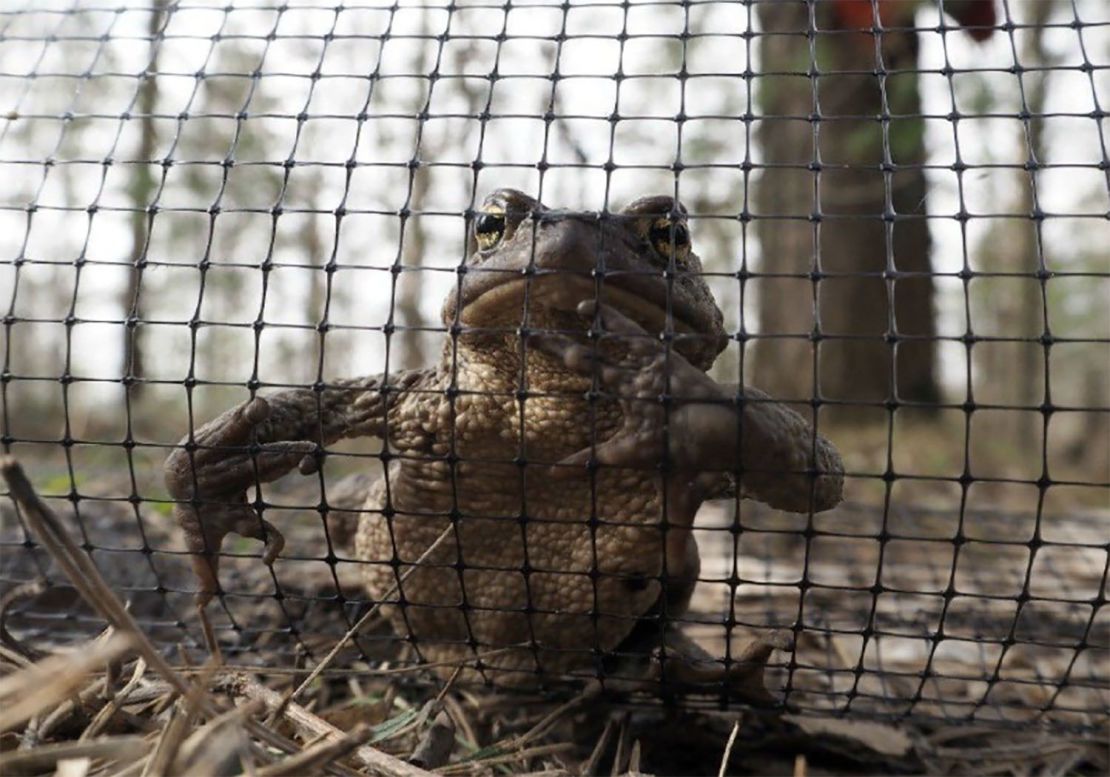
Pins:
x: 825, y: 148
x: 141, y: 189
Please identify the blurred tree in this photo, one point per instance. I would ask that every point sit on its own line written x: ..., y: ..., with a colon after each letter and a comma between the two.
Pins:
x: 842, y: 107
x: 1013, y: 372
x: 413, y: 240
x: 141, y: 187
x: 46, y: 288
x: 320, y: 295
x: 227, y: 151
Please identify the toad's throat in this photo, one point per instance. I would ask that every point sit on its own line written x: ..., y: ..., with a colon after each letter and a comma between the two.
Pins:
x: 518, y: 299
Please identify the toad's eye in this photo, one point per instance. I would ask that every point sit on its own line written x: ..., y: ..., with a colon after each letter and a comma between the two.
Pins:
x: 489, y: 227
x: 665, y: 233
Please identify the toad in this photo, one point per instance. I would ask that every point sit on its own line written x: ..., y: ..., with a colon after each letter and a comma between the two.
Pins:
x: 546, y: 472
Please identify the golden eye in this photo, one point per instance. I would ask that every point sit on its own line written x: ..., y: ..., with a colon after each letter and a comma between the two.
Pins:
x: 665, y: 233
x: 489, y: 227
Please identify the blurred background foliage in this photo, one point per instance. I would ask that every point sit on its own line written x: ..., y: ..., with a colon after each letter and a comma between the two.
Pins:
x: 178, y: 173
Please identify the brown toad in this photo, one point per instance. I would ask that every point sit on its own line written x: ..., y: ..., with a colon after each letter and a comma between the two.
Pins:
x: 564, y: 443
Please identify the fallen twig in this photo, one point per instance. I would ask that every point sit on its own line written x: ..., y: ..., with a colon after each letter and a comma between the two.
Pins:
x: 330, y: 749
x: 310, y: 725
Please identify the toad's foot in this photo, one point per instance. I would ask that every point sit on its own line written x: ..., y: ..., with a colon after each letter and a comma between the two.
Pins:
x: 208, y: 477
x: 680, y: 666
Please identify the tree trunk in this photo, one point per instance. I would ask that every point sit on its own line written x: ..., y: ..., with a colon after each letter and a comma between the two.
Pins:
x: 1012, y: 373
x: 142, y: 185
x: 409, y: 342
x: 863, y: 317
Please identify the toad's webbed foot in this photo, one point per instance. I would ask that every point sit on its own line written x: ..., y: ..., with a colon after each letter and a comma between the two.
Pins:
x: 677, y: 665
x: 210, y: 472
x: 674, y: 412
x: 209, y: 477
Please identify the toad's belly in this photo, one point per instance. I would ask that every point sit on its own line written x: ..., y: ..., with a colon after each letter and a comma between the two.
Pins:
x: 533, y: 592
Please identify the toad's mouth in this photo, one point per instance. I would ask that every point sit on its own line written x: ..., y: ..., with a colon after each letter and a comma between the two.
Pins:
x: 643, y: 297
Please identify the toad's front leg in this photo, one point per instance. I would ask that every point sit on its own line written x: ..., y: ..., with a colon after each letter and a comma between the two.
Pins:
x: 210, y: 471
x: 675, y: 414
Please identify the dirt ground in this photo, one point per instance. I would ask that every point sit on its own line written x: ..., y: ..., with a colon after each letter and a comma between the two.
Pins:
x: 911, y: 656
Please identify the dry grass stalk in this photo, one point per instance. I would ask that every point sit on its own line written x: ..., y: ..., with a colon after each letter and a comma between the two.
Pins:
x: 88, y: 581
x: 728, y: 748
x: 42, y: 686
x: 309, y: 725
x: 80, y: 570
x: 480, y: 765
x: 10, y: 643
x: 372, y: 612
x: 590, y: 692
x: 118, y: 700
x: 62, y: 713
x: 634, y: 758
x: 175, y: 735
x: 328, y: 750
x: 13, y: 657
x: 461, y: 720
x: 45, y: 757
x: 165, y: 751
x: 620, y: 758
x: 225, y: 750
x: 73, y: 767
x: 214, y: 742
x: 589, y: 767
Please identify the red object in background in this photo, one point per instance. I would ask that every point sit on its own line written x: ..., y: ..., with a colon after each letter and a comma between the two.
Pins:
x: 977, y: 17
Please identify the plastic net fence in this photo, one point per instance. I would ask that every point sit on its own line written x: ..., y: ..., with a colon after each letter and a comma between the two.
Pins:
x: 537, y: 225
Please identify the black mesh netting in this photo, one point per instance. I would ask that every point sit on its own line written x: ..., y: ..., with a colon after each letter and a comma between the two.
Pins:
x: 901, y: 210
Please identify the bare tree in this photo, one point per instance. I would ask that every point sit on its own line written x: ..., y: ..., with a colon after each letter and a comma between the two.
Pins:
x: 857, y: 242
x: 1015, y: 371
x: 414, y: 238
x: 230, y: 191
x: 140, y: 188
